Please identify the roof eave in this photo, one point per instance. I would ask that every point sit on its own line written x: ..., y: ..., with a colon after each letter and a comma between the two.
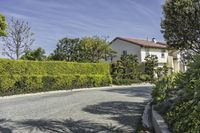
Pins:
x: 137, y: 43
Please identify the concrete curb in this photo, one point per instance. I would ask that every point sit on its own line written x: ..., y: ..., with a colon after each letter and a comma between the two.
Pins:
x: 74, y: 90
x: 158, y: 122
x: 146, y: 117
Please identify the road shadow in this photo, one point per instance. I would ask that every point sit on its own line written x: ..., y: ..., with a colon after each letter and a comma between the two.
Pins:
x: 4, y: 128
x: 126, y: 113
x: 133, y: 91
x: 66, y: 126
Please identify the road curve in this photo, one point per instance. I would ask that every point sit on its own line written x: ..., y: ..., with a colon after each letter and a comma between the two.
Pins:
x: 108, y: 110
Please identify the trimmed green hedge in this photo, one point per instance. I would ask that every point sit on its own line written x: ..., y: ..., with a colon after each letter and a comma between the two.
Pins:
x: 31, y: 76
x: 22, y: 67
x: 125, y: 81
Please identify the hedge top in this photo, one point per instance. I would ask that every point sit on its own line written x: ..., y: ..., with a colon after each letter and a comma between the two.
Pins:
x: 21, y: 67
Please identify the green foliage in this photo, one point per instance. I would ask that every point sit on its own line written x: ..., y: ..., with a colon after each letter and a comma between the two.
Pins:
x: 125, y: 69
x: 93, y: 49
x: 37, y: 54
x: 130, y: 63
x: 181, y: 25
x: 117, y: 70
x: 161, y: 71
x: 165, y: 69
x: 29, y: 84
x: 158, y: 72
x: 151, y: 62
x: 87, y: 49
x: 125, y: 81
x: 3, y: 25
x: 22, y: 67
x: 35, y: 76
x: 183, y: 115
x: 67, y: 49
x: 144, y: 78
x: 163, y: 88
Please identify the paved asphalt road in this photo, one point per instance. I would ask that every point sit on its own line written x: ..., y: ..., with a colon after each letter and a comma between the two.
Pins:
x: 108, y: 110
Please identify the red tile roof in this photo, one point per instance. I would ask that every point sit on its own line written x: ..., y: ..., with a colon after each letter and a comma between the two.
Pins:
x: 143, y: 43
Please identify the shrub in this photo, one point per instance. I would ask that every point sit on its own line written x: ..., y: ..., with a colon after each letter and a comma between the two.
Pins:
x: 126, y: 70
x: 184, y: 117
x: 151, y: 62
x: 163, y: 88
x: 183, y: 113
x: 144, y: 77
x: 31, y: 76
x: 162, y: 71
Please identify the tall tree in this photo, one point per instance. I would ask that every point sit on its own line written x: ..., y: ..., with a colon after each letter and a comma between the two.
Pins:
x: 3, y: 25
x: 18, y: 39
x: 181, y: 26
x: 66, y: 49
x: 37, y: 54
x: 94, y: 49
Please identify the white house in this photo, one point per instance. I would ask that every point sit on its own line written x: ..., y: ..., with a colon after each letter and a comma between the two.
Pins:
x: 142, y: 48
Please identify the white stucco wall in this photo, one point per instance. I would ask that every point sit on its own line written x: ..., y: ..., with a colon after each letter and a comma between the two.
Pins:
x: 119, y: 46
x: 154, y: 51
x: 172, y: 61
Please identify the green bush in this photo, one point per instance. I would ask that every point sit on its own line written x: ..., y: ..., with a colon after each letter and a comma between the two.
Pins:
x: 184, y: 117
x: 126, y: 70
x: 31, y: 76
x: 163, y: 88
x: 183, y: 113
x: 144, y: 77
x: 151, y: 62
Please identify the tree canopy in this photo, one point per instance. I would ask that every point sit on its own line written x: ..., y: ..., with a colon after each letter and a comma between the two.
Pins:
x: 87, y: 49
x: 3, y: 25
x: 37, y: 54
x: 66, y: 49
x: 93, y: 49
x: 181, y: 25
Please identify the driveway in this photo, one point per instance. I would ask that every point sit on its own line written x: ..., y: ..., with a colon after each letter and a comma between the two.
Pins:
x: 107, y: 110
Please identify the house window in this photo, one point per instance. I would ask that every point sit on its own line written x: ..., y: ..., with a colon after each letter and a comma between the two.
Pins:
x: 124, y: 52
x: 163, y: 54
x: 147, y: 52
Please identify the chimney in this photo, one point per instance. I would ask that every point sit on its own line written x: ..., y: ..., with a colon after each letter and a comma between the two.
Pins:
x: 154, y: 40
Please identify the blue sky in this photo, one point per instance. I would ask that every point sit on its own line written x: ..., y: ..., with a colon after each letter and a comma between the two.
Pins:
x: 52, y: 20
